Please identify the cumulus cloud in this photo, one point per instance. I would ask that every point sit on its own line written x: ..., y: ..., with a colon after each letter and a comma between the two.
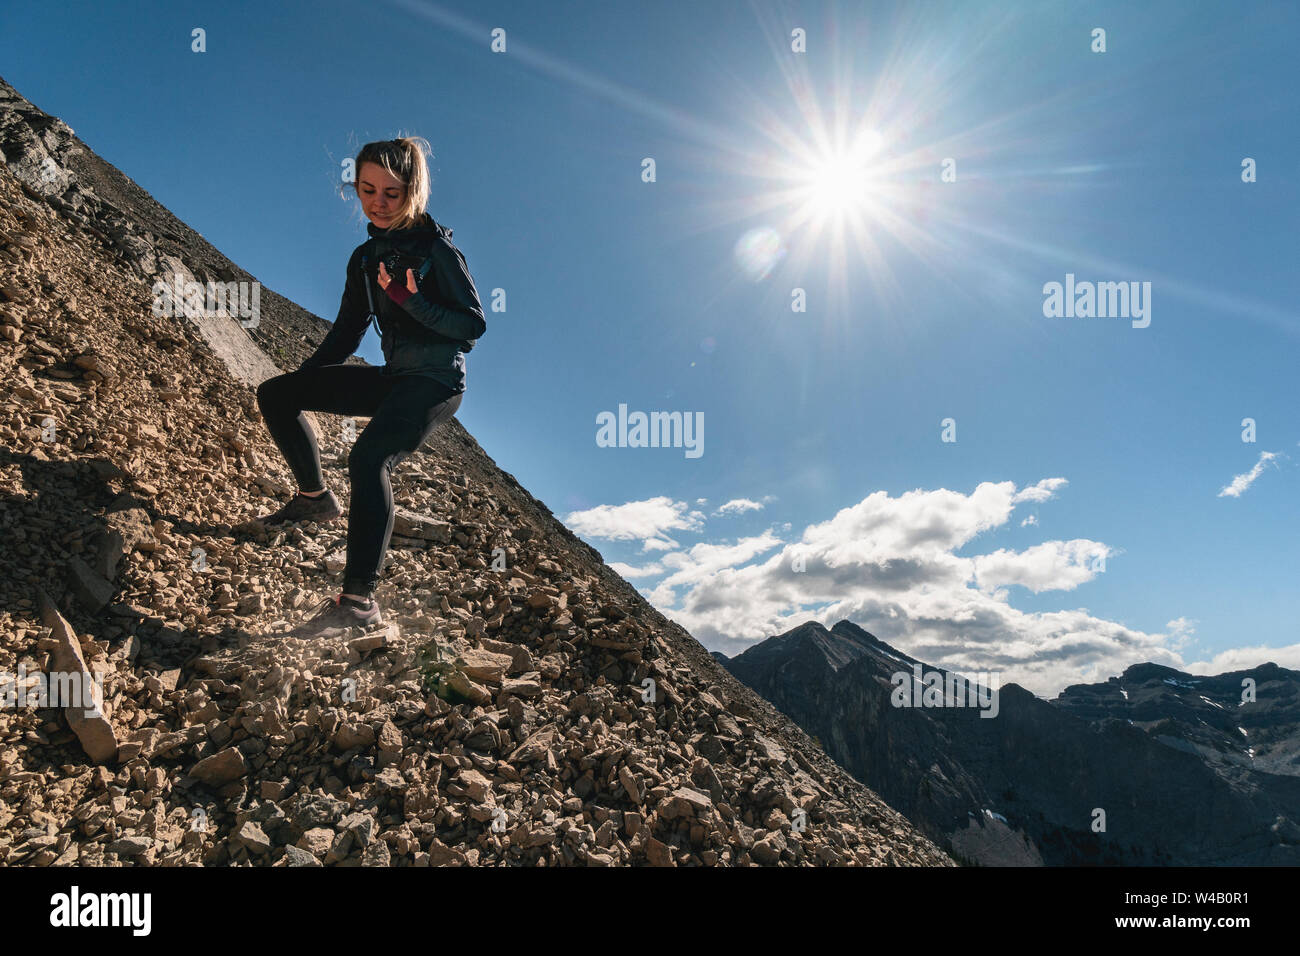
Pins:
x: 916, y: 522
x: 740, y: 505
x: 1029, y: 520
x: 890, y: 565
x: 1245, y: 658
x: 697, y: 564
x: 1050, y: 566
x: 1240, y: 483
x: 1042, y: 491
x: 630, y: 572
x: 649, y: 520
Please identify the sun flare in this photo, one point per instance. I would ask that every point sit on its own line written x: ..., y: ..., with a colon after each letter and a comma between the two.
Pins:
x: 838, y: 184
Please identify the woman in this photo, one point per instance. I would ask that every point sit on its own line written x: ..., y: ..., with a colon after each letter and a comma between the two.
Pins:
x: 427, y: 318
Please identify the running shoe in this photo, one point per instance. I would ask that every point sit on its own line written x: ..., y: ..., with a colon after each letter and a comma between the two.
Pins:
x: 321, y: 509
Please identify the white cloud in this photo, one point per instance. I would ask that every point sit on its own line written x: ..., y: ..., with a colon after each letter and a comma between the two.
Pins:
x: 1240, y: 483
x: 647, y: 520
x: 889, y: 564
x: 1042, y: 491
x: 741, y: 505
x: 700, y: 562
x: 1245, y: 658
x: 1050, y: 566
x: 915, y: 523
x: 628, y: 571
x: 1029, y: 521
x: 659, y: 544
x: 1181, y: 631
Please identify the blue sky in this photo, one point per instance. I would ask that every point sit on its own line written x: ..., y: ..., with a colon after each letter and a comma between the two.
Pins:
x: 924, y: 298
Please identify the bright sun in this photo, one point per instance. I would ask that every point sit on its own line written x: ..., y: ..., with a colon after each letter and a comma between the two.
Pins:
x: 838, y: 184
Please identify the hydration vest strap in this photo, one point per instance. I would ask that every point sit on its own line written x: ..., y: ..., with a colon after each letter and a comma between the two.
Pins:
x: 365, y: 278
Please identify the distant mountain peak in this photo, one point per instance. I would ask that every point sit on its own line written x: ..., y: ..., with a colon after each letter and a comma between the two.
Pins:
x: 810, y: 644
x: 848, y: 629
x: 1031, y: 777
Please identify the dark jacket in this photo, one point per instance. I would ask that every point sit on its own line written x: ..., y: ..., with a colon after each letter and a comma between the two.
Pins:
x: 429, y: 332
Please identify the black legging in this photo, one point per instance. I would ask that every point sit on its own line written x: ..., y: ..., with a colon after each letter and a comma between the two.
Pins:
x: 404, y: 410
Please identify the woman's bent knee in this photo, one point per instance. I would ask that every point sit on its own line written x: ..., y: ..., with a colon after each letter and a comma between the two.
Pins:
x: 271, y: 388
x: 367, y: 462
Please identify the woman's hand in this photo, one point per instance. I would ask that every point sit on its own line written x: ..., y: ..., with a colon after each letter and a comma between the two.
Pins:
x: 385, y: 278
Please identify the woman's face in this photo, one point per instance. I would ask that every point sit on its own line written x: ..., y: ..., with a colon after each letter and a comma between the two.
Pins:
x: 382, y: 194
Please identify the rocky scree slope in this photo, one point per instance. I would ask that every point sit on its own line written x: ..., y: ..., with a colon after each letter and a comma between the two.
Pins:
x: 57, y: 168
x: 132, y: 458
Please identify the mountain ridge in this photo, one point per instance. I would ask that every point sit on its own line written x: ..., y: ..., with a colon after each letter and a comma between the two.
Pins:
x: 1023, y: 788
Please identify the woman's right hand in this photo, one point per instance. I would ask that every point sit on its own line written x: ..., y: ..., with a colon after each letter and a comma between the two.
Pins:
x: 385, y: 279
